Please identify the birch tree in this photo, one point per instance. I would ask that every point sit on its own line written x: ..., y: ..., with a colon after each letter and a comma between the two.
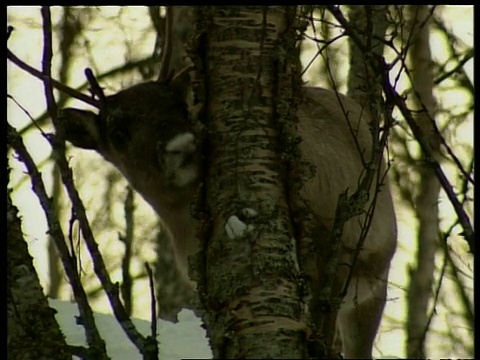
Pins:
x: 239, y: 202
x: 250, y: 69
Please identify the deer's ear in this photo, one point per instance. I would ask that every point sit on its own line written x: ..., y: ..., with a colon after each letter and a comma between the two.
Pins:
x: 80, y: 127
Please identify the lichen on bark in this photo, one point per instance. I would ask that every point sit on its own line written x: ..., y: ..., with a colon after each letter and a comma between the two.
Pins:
x: 250, y: 293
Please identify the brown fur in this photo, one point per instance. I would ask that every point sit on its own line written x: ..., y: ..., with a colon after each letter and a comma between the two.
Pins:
x: 149, y: 115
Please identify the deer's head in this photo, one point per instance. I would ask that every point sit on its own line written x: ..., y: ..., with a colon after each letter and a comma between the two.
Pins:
x: 145, y: 131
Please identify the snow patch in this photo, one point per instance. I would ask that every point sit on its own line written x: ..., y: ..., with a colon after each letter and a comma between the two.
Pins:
x: 183, y: 340
x: 236, y: 228
x: 249, y: 213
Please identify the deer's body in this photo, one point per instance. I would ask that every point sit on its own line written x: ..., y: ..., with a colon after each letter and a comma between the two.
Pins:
x: 145, y: 133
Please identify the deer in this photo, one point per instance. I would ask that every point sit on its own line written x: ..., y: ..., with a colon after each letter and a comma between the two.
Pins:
x: 148, y: 133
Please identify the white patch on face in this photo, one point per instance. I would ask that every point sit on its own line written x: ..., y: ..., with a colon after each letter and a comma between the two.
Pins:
x: 181, y: 172
x: 185, y: 176
x: 183, y: 142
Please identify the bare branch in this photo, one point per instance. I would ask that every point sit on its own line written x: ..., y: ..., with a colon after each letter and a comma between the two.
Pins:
x: 457, y: 69
x: 98, y: 263
x: 394, y: 98
x: 153, y: 306
x: 453, y: 41
x: 67, y: 178
x: 34, y: 122
x: 126, y: 286
x: 468, y: 307
x: 435, y: 299
x: 58, y: 85
x: 47, y: 62
x: 94, y: 86
x: 93, y: 337
x: 138, y: 64
x: 464, y: 220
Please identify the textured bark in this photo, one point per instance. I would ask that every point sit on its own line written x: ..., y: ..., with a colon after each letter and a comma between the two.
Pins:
x: 32, y: 332
x: 182, y: 27
x: 363, y: 84
x: 249, y: 291
x: 421, y: 276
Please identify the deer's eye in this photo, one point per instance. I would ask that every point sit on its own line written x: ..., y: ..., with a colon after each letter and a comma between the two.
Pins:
x: 119, y: 138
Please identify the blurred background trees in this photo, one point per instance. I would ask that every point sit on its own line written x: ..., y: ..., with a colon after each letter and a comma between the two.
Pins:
x: 430, y: 52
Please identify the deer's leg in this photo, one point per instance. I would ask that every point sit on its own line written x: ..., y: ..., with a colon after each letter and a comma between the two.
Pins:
x: 359, y: 317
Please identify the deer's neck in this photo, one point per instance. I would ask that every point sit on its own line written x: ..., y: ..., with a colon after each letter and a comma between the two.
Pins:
x: 182, y: 226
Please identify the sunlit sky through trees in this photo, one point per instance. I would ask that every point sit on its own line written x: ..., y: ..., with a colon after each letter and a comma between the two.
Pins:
x: 115, y: 35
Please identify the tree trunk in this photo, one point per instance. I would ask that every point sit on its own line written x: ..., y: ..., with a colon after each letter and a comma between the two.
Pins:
x: 363, y: 85
x: 32, y: 332
x: 421, y: 276
x: 248, y: 288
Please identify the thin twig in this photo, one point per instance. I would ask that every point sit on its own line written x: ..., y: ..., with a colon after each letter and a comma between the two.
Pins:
x: 457, y: 69
x: 126, y: 286
x: 47, y: 62
x: 55, y: 231
x: 57, y: 85
x: 94, y: 86
x: 78, y: 265
x: 468, y: 307
x: 439, y: 136
x: 153, y: 305
x: 393, y: 97
x: 94, y: 340
x: 151, y: 342
x: 453, y: 43
x: 34, y: 122
x: 99, y: 267
x: 433, y: 312
x: 118, y: 70
x: 320, y: 50
x: 463, y: 218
